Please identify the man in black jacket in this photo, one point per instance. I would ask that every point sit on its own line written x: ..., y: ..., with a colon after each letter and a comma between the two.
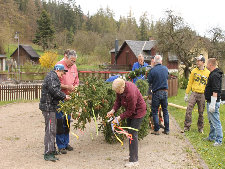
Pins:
x: 212, y: 96
x: 51, y: 94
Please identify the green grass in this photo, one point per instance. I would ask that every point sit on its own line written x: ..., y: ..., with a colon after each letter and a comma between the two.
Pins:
x: 213, y: 156
x: 2, y: 103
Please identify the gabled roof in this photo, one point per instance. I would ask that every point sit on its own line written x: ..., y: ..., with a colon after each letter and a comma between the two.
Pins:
x: 32, y: 53
x: 3, y: 56
x: 138, y: 47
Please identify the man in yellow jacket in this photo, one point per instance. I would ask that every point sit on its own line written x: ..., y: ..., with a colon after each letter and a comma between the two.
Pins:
x: 197, y: 82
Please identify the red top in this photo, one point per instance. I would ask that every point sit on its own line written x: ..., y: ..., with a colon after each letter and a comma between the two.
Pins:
x: 71, y: 77
x: 132, y: 100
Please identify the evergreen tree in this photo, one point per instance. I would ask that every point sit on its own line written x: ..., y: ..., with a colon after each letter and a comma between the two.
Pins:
x: 144, y: 27
x: 45, y: 33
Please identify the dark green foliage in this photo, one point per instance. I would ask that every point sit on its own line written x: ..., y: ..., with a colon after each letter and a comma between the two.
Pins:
x: 183, y: 82
x: 45, y: 33
x: 96, y: 96
x: 135, y: 73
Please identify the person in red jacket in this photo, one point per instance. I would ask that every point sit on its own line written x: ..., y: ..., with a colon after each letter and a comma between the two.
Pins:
x: 129, y: 96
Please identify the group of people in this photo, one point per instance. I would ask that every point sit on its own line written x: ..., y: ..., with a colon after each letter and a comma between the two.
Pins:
x: 129, y: 96
x: 205, y: 84
x: 57, y: 85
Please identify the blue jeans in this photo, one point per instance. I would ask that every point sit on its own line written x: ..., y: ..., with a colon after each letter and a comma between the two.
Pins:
x: 160, y: 98
x: 215, y: 132
x: 62, y: 135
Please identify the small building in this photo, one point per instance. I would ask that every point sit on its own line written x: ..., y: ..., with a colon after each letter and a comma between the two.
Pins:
x: 26, y: 53
x: 171, y: 61
x: 127, y: 54
x: 2, y: 62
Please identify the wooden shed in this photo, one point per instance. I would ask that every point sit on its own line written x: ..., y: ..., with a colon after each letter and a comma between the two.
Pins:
x: 26, y: 53
x: 127, y: 54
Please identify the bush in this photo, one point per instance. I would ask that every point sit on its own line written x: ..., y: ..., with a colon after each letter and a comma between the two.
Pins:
x: 183, y: 82
x: 94, y: 99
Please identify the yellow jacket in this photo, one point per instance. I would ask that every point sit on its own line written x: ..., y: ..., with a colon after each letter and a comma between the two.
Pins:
x: 197, y: 80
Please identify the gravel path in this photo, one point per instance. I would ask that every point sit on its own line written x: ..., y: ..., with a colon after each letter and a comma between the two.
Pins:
x: 21, y: 145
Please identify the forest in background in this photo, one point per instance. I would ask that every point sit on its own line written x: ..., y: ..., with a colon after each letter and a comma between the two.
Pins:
x: 93, y: 36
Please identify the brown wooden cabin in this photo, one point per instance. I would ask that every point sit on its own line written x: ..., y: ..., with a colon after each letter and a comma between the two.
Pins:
x: 26, y: 53
x: 127, y: 54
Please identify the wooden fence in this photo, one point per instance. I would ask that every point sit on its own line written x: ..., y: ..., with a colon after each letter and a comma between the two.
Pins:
x: 20, y: 92
x: 31, y: 92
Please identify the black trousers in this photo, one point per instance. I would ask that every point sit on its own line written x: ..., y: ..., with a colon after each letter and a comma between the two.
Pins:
x: 133, y: 145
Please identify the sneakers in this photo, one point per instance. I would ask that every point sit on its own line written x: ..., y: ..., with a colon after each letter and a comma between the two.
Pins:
x: 216, y: 144
x: 208, y: 139
x: 166, y: 132
x: 132, y: 164
x: 50, y: 157
x: 69, y: 148
x: 55, y: 153
x: 185, y: 130
x: 126, y: 158
x: 155, y: 132
x: 200, y: 131
x: 63, y: 151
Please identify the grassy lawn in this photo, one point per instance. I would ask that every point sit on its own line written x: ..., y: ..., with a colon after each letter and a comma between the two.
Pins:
x: 213, y: 156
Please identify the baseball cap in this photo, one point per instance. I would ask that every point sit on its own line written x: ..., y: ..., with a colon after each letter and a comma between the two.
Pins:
x: 201, y: 58
x: 60, y: 67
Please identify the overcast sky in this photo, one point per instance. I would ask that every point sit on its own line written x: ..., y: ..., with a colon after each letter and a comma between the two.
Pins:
x: 201, y: 15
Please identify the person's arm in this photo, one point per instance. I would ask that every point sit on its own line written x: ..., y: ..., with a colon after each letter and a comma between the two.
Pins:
x: 117, y: 103
x: 134, y: 66
x: 76, y: 80
x: 190, y: 82
x: 131, y: 104
x: 55, y: 89
x: 67, y: 87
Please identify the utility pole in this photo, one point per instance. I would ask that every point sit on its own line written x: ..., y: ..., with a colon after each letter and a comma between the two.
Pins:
x: 18, y: 59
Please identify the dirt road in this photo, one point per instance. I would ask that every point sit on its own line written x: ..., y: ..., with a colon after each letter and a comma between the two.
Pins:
x: 21, y: 145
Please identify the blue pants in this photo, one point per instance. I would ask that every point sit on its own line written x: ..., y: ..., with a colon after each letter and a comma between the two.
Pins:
x: 62, y: 134
x: 216, y: 132
x: 160, y: 98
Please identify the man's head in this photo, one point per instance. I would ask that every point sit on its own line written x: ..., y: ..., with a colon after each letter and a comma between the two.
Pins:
x: 118, y: 85
x: 70, y: 57
x: 60, y: 70
x: 211, y: 64
x: 158, y: 59
x: 140, y: 59
x: 200, y: 61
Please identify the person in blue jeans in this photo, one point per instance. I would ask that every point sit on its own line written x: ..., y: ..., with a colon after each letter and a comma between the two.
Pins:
x: 137, y: 65
x: 212, y: 96
x: 158, y: 77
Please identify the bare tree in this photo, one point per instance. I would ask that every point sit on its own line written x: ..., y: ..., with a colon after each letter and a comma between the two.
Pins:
x: 173, y: 35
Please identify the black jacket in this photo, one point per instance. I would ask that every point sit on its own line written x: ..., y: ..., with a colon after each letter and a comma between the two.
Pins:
x: 51, y: 92
x: 214, y: 84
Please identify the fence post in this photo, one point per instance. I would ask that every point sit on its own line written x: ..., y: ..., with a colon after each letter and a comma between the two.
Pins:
x: 36, y: 92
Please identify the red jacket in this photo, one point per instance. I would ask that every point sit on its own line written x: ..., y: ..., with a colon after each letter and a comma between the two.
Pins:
x: 132, y: 100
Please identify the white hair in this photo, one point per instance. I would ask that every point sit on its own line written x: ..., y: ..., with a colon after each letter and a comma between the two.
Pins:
x: 158, y: 59
x: 118, y: 84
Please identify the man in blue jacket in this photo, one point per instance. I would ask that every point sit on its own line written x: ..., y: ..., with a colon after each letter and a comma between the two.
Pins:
x: 137, y: 65
x: 158, y: 77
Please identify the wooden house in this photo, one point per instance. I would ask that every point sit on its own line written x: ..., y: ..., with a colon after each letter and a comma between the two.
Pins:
x: 26, y: 53
x: 127, y: 54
